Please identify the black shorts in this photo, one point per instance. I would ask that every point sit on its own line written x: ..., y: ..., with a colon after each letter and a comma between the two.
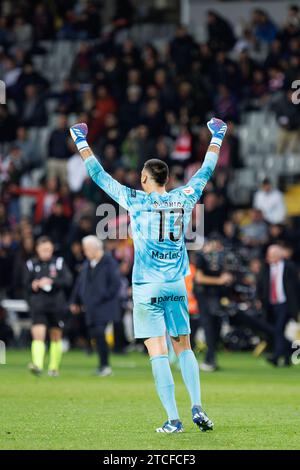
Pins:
x: 50, y: 318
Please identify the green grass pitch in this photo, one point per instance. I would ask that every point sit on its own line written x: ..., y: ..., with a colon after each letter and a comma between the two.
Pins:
x: 253, y: 406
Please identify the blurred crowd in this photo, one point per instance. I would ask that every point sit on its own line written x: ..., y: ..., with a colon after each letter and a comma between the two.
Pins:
x: 139, y: 101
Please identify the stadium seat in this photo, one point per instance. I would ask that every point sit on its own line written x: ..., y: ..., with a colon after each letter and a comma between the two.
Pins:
x: 273, y: 163
x: 243, y: 183
x: 254, y: 161
x: 291, y: 165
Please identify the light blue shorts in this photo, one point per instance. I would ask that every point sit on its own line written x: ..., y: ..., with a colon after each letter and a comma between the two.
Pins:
x: 160, y: 308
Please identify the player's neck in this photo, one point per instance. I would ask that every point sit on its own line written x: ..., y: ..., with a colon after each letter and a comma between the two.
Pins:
x: 157, y: 189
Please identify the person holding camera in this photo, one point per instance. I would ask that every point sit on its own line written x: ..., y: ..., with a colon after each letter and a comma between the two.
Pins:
x: 210, y: 281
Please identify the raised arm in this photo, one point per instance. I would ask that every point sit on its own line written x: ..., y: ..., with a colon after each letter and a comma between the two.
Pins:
x: 121, y: 194
x: 218, y: 129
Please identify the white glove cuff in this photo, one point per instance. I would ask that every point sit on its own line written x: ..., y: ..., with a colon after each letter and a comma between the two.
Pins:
x: 81, y: 145
x: 216, y: 141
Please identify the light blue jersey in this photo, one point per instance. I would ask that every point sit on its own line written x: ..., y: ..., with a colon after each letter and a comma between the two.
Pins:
x: 158, y: 221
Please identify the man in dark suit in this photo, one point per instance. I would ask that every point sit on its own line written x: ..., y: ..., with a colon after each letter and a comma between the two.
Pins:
x: 277, y: 290
x: 96, y: 290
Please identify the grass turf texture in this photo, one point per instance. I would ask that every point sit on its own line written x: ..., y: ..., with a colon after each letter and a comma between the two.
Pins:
x: 253, y: 406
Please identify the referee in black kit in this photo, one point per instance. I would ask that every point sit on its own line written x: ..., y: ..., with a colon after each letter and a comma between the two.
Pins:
x: 45, y: 279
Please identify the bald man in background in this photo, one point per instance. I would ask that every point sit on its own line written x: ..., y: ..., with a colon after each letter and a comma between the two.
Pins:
x: 277, y: 289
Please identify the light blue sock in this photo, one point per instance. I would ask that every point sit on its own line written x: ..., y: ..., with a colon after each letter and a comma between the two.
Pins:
x: 165, y: 385
x: 191, y: 376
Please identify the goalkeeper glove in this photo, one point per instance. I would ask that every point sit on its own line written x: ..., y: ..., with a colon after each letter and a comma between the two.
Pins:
x: 78, y: 133
x: 218, y: 129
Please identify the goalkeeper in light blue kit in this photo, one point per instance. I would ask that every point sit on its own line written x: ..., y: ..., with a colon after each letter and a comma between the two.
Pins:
x: 161, y: 262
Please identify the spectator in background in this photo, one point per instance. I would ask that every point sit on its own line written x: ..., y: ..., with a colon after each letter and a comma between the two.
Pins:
x: 276, y: 80
x: 184, y: 101
x: 59, y: 149
x: 165, y: 87
x: 255, y: 233
x: 5, y: 34
x: 130, y: 109
x: 231, y: 235
x: 278, y: 234
x: 288, y: 118
x: 96, y: 290
x: 182, y: 149
x: 275, y: 57
x: 11, y: 75
x: 13, y: 166
x: 28, y: 148
x: 113, y: 74
x: 124, y: 13
x: 214, y: 216
x: 144, y: 145
x: 263, y: 27
x: 202, y: 142
x: 162, y: 150
x: 278, y: 291
x: 43, y: 22
x: 33, y: 109
x: 291, y: 25
x: 182, y: 49
x: 104, y: 105
x: 56, y: 226
x: 8, y: 125
x: 270, y: 202
x: 292, y: 67
x: 76, y: 172
x: 220, y: 32
x: 29, y: 76
x: 81, y: 228
x: 67, y: 98
x: 153, y: 118
x: 225, y: 104
x: 230, y: 151
x: 258, y: 91
x: 82, y: 69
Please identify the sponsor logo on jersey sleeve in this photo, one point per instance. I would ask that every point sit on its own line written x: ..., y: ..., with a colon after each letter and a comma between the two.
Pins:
x: 188, y: 190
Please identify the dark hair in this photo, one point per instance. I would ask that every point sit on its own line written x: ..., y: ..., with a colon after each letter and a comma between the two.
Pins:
x: 41, y: 240
x: 158, y: 170
x: 266, y: 181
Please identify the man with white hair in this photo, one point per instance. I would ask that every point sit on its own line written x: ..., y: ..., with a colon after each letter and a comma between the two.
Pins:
x: 96, y: 292
x: 93, y: 248
x: 278, y: 291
